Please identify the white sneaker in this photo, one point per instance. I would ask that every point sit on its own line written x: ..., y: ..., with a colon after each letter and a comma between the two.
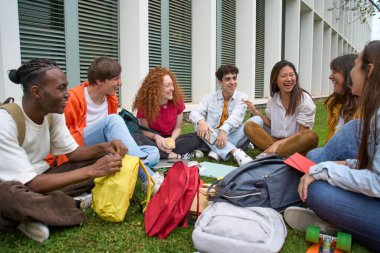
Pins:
x: 191, y: 155
x: 213, y: 155
x: 251, y: 146
x: 262, y: 155
x: 85, y: 200
x: 299, y: 218
x: 241, y: 157
x: 158, y: 178
x: 34, y: 230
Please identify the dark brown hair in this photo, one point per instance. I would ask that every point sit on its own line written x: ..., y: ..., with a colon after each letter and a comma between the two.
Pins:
x: 226, y: 69
x: 369, y: 101
x: 103, y: 68
x: 295, y: 94
x: 349, y: 101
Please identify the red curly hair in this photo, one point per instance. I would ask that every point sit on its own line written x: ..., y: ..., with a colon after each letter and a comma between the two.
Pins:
x: 147, y: 98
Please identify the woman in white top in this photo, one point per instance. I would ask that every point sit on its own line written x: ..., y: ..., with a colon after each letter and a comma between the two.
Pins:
x: 289, y: 115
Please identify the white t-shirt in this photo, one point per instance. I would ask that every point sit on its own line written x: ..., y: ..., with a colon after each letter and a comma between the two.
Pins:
x: 283, y: 125
x: 94, y: 112
x: 26, y: 162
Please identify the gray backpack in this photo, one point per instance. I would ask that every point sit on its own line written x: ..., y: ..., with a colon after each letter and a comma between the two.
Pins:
x: 266, y: 182
x: 225, y: 228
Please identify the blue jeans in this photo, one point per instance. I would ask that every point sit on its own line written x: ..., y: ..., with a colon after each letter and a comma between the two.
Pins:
x: 351, y: 212
x: 113, y: 127
x: 343, y: 145
x: 235, y: 139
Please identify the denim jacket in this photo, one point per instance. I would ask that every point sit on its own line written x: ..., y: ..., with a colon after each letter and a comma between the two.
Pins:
x: 363, y: 181
x: 211, y: 107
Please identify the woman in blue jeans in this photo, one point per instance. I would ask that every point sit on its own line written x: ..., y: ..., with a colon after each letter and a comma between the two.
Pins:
x: 349, y: 197
x: 343, y: 145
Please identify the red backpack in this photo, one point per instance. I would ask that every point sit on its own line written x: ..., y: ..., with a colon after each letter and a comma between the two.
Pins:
x: 171, y: 204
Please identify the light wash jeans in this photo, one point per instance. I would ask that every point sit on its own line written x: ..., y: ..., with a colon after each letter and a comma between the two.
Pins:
x: 343, y: 145
x: 235, y: 139
x: 351, y: 212
x: 113, y: 127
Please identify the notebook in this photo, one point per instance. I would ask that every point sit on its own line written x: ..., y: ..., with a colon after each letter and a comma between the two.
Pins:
x: 214, y: 170
x: 299, y: 162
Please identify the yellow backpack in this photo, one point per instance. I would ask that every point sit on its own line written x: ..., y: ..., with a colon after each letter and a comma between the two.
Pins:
x: 112, y: 193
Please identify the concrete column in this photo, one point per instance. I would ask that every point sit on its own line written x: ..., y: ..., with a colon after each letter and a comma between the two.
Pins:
x: 306, y: 50
x: 203, y: 48
x: 72, y: 42
x: 272, y: 52
x: 334, y: 54
x: 292, y: 31
x: 246, y: 46
x: 134, y: 47
x: 326, y: 58
x: 10, y: 54
x: 317, y: 57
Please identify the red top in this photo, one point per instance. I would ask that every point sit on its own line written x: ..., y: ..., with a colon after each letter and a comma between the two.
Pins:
x: 166, y: 119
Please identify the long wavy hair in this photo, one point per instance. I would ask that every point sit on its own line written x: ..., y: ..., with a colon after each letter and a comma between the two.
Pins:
x: 349, y: 101
x: 295, y: 94
x: 147, y: 97
x: 369, y: 100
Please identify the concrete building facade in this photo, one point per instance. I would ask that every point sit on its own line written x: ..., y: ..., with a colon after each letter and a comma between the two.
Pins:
x: 191, y: 37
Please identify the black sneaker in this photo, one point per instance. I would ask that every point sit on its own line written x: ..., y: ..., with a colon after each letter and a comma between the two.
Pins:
x: 191, y: 155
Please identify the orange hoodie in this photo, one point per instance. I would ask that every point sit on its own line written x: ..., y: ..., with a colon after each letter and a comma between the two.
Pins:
x: 76, y: 111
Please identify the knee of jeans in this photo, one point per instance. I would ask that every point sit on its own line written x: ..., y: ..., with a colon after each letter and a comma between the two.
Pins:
x: 114, y: 119
x: 153, y: 156
x: 258, y: 120
x: 317, y: 194
x: 314, y: 153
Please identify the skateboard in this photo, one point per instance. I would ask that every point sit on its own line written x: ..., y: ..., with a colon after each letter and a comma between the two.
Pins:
x: 327, y: 243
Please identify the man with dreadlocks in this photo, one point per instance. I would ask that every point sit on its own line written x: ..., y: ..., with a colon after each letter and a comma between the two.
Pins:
x: 32, y: 194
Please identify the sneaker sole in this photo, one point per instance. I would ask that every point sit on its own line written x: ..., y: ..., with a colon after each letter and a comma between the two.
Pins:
x: 36, y: 231
x: 299, y: 218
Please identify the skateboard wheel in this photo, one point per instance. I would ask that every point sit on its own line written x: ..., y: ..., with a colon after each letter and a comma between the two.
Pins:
x: 343, y: 241
x: 312, y: 234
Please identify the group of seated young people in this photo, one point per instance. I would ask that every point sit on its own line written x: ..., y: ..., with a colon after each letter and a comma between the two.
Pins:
x: 90, y: 139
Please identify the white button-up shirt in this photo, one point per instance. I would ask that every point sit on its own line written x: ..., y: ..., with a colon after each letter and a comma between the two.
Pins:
x: 283, y: 125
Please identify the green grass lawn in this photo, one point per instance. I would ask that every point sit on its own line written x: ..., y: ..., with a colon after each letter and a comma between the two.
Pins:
x: 97, y: 235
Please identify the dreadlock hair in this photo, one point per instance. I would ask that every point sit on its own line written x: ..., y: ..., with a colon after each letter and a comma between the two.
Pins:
x: 349, y: 101
x: 31, y: 72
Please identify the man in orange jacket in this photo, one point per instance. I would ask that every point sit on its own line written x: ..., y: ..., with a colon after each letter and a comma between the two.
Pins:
x: 91, y: 114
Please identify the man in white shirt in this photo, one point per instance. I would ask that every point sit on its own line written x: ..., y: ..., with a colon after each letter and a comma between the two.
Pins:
x: 30, y: 191
x: 221, y: 114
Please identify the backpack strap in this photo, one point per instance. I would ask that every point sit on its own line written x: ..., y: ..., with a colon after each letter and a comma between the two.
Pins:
x: 18, y: 116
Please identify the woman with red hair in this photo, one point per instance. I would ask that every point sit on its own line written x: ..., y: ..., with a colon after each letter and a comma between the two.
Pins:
x: 160, y: 105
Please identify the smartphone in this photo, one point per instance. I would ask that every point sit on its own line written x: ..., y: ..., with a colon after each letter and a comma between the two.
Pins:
x: 211, y: 138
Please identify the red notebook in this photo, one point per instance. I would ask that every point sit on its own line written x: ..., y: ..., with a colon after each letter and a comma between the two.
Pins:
x: 299, y: 162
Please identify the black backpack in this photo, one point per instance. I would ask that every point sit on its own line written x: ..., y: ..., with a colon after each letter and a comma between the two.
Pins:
x: 266, y: 182
x: 133, y: 124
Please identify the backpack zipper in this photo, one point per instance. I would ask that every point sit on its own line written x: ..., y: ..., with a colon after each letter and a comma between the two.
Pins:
x: 241, y: 196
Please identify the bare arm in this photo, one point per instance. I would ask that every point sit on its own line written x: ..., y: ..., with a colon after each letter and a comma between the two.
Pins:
x: 177, y: 129
x: 49, y: 182
x: 256, y: 112
x: 91, y: 152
